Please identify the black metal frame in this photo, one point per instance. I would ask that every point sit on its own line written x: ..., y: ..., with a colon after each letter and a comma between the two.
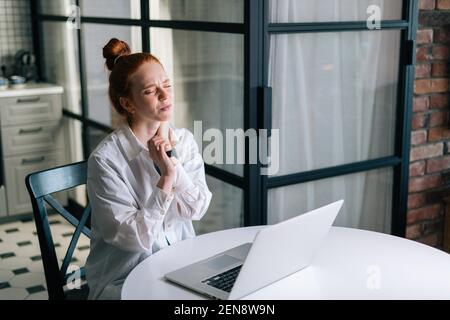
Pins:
x: 256, y: 30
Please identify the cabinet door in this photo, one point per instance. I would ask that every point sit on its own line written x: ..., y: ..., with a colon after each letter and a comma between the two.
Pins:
x: 22, y: 139
x: 32, y: 109
x: 16, y: 170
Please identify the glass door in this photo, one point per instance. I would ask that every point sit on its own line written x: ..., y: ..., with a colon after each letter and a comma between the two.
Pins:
x: 339, y: 86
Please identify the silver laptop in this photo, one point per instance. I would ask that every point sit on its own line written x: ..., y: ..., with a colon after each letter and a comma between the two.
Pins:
x: 276, y: 252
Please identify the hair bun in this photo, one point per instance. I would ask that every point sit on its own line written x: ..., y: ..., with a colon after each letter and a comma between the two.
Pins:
x: 113, y: 50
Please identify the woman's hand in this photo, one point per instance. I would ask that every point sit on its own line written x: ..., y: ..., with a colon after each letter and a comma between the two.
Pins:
x: 157, y: 147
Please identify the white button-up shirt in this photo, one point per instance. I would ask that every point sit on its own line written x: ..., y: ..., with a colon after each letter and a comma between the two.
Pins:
x: 133, y: 218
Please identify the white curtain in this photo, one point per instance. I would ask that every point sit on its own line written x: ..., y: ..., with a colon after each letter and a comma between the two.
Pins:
x: 334, y: 100
x: 331, y: 10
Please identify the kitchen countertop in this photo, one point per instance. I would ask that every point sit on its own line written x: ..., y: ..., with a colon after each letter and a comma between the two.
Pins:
x: 31, y: 89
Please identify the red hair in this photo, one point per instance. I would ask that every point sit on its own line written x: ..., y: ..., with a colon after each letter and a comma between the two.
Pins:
x: 122, y: 64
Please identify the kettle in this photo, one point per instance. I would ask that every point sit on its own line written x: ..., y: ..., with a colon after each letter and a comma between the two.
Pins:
x: 26, y: 65
x: 3, y: 79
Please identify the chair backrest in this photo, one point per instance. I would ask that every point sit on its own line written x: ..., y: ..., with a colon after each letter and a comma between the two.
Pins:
x: 40, y: 186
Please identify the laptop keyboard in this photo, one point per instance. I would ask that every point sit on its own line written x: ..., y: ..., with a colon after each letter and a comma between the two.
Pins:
x: 225, y: 280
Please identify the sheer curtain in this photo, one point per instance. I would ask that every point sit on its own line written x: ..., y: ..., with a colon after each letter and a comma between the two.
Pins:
x: 334, y: 100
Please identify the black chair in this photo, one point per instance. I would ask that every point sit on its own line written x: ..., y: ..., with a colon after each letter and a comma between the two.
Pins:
x: 40, y: 186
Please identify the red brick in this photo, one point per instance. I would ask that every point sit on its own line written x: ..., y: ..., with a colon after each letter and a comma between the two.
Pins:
x: 443, y: 4
x: 423, y: 54
x: 413, y: 231
x: 421, y: 103
x: 432, y: 226
x: 440, y: 52
x: 416, y: 200
x: 424, y: 183
x: 439, y: 164
x: 427, y: 151
x: 438, y: 118
x: 419, y: 120
x: 426, y: 213
x: 439, y: 133
x: 439, y: 101
x: 417, y: 169
x: 440, y: 35
x: 432, y: 240
x: 426, y: 4
x: 425, y: 36
x: 430, y: 86
x: 438, y: 69
x: 423, y: 70
x: 418, y: 137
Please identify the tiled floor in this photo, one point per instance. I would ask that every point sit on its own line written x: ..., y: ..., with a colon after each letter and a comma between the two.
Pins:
x: 21, y: 271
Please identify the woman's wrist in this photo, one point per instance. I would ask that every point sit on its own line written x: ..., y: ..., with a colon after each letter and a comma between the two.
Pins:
x: 165, y: 183
x: 169, y: 172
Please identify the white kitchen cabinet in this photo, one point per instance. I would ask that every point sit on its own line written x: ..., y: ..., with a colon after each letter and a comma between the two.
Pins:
x: 32, y: 139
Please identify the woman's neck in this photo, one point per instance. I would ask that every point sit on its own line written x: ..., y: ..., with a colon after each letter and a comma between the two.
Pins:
x: 144, y: 130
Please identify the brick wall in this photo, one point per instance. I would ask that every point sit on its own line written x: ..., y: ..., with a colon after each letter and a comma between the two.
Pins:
x: 430, y: 139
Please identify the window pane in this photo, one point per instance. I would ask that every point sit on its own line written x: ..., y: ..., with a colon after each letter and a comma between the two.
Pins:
x: 332, y: 10
x: 225, y: 210
x: 60, y: 62
x: 208, y: 74
x: 60, y: 8
x: 73, y: 140
x: 95, y: 38
x: 198, y: 10
x: 367, y: 199
x: 334, y: 97
x: 94, y: 136
x: 74, y: 153
x: 111, y: 8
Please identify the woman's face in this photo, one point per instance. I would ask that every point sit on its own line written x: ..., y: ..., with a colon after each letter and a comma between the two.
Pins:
x: 151, y: 93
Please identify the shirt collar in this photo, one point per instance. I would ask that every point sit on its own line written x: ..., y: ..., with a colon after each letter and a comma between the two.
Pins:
x: 131, y: 144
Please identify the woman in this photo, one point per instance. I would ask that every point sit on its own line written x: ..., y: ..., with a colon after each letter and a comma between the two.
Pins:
x: 142, y: 200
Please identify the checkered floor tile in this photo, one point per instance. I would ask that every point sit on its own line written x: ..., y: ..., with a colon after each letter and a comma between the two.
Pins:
x: 21, y: 270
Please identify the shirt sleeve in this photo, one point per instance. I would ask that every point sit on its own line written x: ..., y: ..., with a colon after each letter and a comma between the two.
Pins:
x: 119, y: 219
x: 191, y: 192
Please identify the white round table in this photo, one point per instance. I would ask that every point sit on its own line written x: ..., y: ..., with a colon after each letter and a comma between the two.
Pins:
x: 351, y: 264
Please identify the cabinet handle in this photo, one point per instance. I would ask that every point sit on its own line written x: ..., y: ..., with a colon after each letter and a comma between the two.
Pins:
x: 26, y: 100
x: 33, y: 160
x: 28, y: 131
